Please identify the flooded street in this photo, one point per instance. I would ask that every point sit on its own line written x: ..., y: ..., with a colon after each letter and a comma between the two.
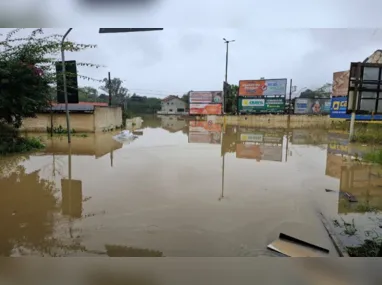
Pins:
x: 180, y: 189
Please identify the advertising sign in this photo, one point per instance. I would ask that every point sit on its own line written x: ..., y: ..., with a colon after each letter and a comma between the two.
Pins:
x: 312, y: 106
x: 262, y: 105
x: 340, y: 83
x: 258, y: 152
x: 205, y: 109
x: 338, y: 111
x: 206, y: 97
x: 264, y: 87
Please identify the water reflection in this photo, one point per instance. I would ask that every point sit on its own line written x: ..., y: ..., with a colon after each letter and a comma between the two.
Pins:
x: 71, y: 191
x: 204, y: 132
x: 183, y: 188
x: 257, y: 144
x: 173, y: 124
x: 309, y: 136
x: 28, y: 205
x: 364, y: 182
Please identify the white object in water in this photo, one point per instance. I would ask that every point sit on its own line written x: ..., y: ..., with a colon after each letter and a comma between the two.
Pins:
x: 125, y: 136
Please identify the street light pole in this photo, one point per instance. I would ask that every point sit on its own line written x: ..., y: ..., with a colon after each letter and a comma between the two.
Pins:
x: 226, y: 57
x: 226, y: 70
x: 64, y: 83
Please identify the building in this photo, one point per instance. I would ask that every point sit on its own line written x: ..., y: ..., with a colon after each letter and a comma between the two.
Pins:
x: 86, y: 117
x: 173, y: 105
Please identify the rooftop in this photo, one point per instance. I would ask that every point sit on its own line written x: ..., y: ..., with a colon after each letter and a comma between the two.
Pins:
x: 170, y: 97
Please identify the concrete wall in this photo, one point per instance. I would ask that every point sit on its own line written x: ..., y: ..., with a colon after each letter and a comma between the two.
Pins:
x: 275, y: 121
x: 107, y: 118
x: 103, y: 119
x: 79, y: 122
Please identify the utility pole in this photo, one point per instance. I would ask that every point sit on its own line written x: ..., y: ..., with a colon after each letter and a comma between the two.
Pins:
x: 64, y: 83
x: 109, y: 83
x: 226, y: 68
x: 290, y: 97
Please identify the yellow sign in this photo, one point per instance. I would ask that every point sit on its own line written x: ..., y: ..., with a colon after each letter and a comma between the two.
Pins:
x: 337, y: 105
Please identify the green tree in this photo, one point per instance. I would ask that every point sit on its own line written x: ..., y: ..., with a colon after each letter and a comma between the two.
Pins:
x: 87, y: 94
x: 231, y: 99
x: 118, y: 92
x: 28, y: 77
x: 322, y: 92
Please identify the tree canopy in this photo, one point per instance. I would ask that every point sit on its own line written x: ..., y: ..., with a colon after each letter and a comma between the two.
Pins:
x: 322, y: 92
x: 27, y: 73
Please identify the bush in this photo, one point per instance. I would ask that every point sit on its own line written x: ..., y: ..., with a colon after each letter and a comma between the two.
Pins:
x: 11, y: 142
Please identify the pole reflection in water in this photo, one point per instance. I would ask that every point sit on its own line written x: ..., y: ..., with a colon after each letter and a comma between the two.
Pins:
x: 71, y: 193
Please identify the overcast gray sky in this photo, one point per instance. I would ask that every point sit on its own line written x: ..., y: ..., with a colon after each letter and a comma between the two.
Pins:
x: 303, y: 40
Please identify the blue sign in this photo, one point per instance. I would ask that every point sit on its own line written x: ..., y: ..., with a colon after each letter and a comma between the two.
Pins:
x: 338, y: 110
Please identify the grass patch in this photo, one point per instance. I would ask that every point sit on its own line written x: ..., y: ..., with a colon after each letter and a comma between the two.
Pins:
x: 374, y: 157
x: 364, y: 132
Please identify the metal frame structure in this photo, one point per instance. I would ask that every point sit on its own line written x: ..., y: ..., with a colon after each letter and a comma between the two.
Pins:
x: 363, y: 89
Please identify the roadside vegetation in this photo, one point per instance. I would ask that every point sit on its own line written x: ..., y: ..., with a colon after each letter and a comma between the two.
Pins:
x: 27, y: 81
x: 12, y: 142
x: 374, y: 157
x: 370, y: 245
x: 364, y: 132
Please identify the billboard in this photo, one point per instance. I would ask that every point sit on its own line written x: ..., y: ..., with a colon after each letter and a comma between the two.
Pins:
x: 340, y: 83
x: 259, y: 152
x: 312, y: 106
x: 261, y: 105
x: 205, y: 109
x: 263, y: 87
x: 206, y: 97
x: 204, y: 132
x: 338, y: 110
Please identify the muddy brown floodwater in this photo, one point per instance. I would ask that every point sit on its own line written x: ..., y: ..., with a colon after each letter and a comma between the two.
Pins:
x: 181, y: 189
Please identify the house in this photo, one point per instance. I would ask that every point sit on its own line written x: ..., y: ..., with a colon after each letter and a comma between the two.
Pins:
x: 173, y: 105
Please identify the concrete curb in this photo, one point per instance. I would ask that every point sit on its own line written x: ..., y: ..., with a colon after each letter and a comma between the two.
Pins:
x: 336, y: 242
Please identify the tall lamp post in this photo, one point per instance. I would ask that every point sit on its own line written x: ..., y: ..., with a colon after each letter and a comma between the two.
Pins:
x: 101, y: 31
x: 226, y: 68
x: 226, y: 57
x: 224, y: 102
